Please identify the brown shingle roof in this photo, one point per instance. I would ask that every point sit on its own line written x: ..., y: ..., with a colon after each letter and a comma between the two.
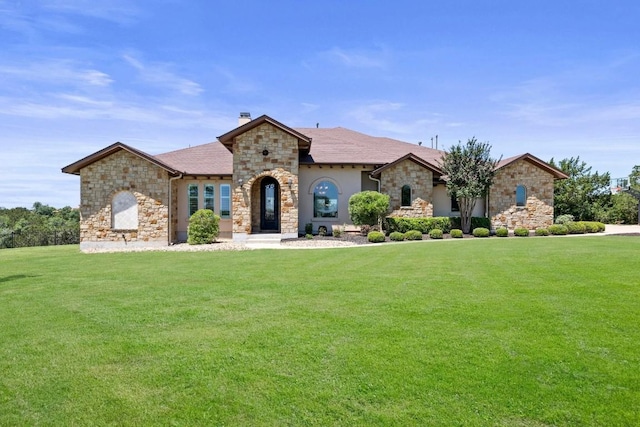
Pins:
x: 206, y: 159
x: 340, y: 145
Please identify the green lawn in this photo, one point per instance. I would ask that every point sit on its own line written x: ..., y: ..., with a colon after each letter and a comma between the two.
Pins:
x: 496, y: 332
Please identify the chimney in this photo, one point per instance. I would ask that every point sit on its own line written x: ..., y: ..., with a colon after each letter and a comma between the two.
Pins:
x: 244, y: 118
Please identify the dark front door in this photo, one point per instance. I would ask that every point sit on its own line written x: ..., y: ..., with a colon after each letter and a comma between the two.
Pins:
x: 269, y: 205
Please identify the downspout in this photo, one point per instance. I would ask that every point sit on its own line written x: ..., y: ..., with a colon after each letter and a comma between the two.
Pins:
x: 170, y: 208
x: 376, y: 180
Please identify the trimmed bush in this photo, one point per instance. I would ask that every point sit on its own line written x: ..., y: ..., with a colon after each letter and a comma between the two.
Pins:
x: 368, y: 207
x: 521, y: 232
x: 309, y: 236
x: 396, y: 236
x: 413, y: 235
x: 542, y: 231
x: 456, y: 233
x: 424, y: 225
x: 558, y: 229
x: 336, y: 231
x: 592, y: 226
x: 203, y: 227
x: 502, y: 232
x: 308, y: 228
x: 436, y: 233
x: 480, y: 232
x: 601, y: 226
x: 375, y: 236
x: 576, y: 227
x: 564, y: 219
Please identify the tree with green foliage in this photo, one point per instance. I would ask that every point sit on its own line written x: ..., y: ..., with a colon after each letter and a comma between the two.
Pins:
x: 584, y: 193
x: 368, y: 208
x: 468, y: 170
x: 203, y: 227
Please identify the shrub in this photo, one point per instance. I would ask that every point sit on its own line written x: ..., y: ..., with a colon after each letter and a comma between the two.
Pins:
x: 309, y: 236
x: 542, y: 231
x: 203, y: 227
x: 558, y: 229
x: 456, y: 233
x: 591, y: 226
x: 368, y: 207
x: 476, y: 221
x: 413, y: 235
x: 576, y: 227
x: 424, y: 225
x: 601, y: 226
x: 308, y: 228
x: 521, y: 232
x: 436, y: 233
x: 502, y: 232
x: 396, y: 236
x: 322, y: 230
x: 481, y: 232
x: 563, y: 219
x: 336, y: 231
x: 375, y: 237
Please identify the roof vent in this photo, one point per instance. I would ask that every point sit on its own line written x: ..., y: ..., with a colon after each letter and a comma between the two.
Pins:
x: 244, y: 118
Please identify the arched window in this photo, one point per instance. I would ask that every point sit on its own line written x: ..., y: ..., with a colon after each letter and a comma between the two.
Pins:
x: 124, y: 211
x: 325, y: 200
x: 521, y: 195
x: 406, y: 195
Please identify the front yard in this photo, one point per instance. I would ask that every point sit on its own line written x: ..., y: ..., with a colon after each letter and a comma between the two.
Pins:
x: 526, y: 332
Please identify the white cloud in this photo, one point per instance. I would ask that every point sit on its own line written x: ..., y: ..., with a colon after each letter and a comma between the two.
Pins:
x: 57, y: 71
x: 158, y: 74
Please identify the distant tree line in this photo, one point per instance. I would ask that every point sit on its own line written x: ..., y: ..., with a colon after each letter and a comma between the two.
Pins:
x: 39, y: 226
x: 587, y: 195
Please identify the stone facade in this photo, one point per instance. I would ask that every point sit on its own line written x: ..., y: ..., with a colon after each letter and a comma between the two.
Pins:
x: 419, y: 179
x: 102, y: 180
x: 260, y: 152
x: 538, y: 210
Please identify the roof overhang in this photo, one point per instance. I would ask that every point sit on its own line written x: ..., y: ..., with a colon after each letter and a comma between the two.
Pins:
x: 74, y: 168
x: 304, y: 142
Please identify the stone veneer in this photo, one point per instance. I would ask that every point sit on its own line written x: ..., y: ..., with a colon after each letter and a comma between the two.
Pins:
x: 123, y: 171
x: 419, y: 178
x: 538, y: 211
x: 250, y: 166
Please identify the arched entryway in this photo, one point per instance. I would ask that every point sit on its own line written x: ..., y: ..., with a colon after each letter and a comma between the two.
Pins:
x: 269, y: 205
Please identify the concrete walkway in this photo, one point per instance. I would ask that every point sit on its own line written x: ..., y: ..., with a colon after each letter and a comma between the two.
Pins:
x: 620, y: 229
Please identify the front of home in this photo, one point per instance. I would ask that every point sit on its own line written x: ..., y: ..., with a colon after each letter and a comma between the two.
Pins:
x: 265, y: 177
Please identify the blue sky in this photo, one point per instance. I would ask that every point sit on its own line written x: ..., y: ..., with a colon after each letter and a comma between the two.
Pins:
x: 556, y: 79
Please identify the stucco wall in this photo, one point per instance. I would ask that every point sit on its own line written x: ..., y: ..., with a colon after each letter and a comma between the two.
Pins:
x: 348, y: 180
x: 102, y: 180
x: 182, y: 205
x: 419, y: 179
x: 538, y: 211
x: 442, y: 204
x: 250, y: 165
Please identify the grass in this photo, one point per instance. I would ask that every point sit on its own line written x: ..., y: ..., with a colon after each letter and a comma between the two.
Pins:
x: 498, y: 332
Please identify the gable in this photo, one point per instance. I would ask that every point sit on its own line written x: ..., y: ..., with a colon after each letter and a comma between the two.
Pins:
x: 74, y: 168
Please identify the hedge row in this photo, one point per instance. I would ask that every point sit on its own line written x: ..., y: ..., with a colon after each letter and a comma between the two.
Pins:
x: 425, y: 225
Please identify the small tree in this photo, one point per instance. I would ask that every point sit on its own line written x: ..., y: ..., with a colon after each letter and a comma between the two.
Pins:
x: 368, y: 208
x: 469, y: 171
x: 203, y: 227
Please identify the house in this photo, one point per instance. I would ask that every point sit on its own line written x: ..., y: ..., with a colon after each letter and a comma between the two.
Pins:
x: 266, y: 177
